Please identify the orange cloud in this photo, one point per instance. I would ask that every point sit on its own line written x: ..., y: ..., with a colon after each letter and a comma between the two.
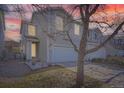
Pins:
x: 114, y: 7
x: 13, y: 20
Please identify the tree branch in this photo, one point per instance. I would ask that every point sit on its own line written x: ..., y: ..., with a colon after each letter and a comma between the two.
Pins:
x: 82, y: 14
x: 71, y: 41
x: 99, y: 22
x: 87, y: 10
x: 109, y: 38
x: 94, y: 9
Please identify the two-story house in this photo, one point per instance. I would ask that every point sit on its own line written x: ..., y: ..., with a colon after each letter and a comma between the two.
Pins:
x: 45, y: 38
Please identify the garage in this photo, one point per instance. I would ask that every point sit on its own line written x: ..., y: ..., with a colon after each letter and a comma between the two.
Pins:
x: 63, y: 54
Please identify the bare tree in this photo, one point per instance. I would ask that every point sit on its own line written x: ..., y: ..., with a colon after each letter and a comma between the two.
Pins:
x: 86, y: 12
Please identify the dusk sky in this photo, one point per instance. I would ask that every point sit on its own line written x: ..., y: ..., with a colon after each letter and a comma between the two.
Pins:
x: 13, y: 22
x: 12, y: 29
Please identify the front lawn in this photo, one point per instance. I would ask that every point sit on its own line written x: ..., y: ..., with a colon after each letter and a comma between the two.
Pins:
x: 51, y: 77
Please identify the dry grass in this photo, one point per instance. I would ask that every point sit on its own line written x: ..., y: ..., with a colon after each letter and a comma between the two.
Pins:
x: 51, y: 77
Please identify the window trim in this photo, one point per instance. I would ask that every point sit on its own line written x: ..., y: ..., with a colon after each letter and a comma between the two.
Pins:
x: 29, y: 25
x: 56, y: 24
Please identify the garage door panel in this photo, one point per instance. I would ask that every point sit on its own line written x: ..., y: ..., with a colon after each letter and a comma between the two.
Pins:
x: 63, y: 54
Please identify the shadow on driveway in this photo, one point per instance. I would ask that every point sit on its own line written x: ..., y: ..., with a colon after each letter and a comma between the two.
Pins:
x: 13, y: 69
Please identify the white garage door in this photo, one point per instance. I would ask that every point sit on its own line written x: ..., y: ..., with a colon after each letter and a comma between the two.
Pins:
x: 63, y: 54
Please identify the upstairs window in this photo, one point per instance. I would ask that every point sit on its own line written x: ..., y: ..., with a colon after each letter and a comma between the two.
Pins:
x: 31, y: 30
x: 76, y: 29
x: 59, y: 23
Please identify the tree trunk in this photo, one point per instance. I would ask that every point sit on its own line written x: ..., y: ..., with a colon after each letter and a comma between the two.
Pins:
x: 82, y: 48
x: 81, y: 55
x: 80, y: 70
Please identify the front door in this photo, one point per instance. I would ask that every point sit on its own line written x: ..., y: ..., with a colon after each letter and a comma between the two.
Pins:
x: 33, y: 50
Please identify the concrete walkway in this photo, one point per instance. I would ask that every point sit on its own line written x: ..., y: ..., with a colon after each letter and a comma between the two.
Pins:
x: 115, y: 77
x: 13, y: 69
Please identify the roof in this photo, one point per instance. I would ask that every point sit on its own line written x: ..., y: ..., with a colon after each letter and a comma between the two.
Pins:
x: 12, y: 43
x: 51, y: 9
x: 96, y: 30
x: 3, y: 7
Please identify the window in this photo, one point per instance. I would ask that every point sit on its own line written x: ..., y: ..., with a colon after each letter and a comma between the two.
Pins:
x: 31, y: 30
x: 76, y: 29
x: 59, y: 23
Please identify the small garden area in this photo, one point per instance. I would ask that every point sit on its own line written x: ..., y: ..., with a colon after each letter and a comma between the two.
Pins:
x: 51, y: 77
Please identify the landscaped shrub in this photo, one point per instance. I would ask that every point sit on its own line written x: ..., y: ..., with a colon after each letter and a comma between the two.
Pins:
x: 97, y: 60
x: 110, y: 60
x: 116, y: 60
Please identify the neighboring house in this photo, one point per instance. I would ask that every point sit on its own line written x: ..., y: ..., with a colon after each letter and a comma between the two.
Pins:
x: 13, y: 50
x: 44, y: 38
x: 2, y: 28
x: 116, y: 46
x: 96, y: 38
